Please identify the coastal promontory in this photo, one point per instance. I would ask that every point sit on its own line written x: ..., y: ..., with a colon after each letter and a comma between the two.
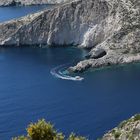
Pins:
x: 110, y: 29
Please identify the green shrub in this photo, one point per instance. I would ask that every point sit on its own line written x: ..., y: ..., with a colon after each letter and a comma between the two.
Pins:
x: 117, y: 134
x: 45, y: 131
x: 137, y: 117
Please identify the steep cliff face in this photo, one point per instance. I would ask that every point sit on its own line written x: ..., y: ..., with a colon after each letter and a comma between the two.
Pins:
x: 29, y: 2
x: 127, y: 130
x: 110, y: 28
x: 62, y: 25
x: 117, y: 37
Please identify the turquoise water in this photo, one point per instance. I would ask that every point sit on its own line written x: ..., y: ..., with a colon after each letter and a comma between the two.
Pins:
x: 28, y: 91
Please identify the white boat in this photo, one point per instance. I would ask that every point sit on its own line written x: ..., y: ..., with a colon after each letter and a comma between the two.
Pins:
x: 79, y: 78
x: 59, y: 74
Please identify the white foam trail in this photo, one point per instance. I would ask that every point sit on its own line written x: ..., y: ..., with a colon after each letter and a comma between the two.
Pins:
x: 58, y: 74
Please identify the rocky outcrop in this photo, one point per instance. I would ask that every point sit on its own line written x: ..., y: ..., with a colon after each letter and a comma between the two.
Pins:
x: 118, y: 35
x: 62, y: 25
x: 110, y: 28
x: 127, y: 130
x: 29, y: 2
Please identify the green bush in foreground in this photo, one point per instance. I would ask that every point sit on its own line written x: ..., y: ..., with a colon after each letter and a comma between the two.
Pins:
x: 45, y: 131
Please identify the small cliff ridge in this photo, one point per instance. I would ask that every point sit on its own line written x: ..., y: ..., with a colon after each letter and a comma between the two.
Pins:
x: 127, y: 130
x: 110, y: 28
x: 29, y: 2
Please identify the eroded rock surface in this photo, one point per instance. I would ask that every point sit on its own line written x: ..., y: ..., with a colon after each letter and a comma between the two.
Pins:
x: 62, y: 25
x: 109, y: 25
x: 29, y: 2
x: 127, y: 130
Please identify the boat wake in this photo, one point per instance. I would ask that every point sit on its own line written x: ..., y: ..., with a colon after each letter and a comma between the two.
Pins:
x: 60, y: 72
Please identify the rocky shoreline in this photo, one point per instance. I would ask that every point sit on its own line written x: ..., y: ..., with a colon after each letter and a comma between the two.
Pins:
x: 109, y: 28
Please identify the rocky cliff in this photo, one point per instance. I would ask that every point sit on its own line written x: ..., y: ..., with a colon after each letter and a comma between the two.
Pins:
x: 127, y: 130
x: 110, y: 28
x: 62, y: 25
x: 29, y: 2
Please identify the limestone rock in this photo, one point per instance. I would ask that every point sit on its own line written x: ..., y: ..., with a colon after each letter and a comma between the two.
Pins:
x: 127, y: 130
x: 62, y: 25
x: 109, y: 25
x: 98, y: 53
x: 29, y: 2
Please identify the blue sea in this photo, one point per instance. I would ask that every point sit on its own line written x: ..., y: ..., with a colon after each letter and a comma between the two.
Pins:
x: 28, y: 90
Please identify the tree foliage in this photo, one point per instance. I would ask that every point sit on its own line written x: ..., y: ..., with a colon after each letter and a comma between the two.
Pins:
x: 43, y: 130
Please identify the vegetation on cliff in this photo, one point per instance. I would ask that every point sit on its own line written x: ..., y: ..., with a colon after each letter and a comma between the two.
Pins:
x: 43, y: 130
x: 126, y: 130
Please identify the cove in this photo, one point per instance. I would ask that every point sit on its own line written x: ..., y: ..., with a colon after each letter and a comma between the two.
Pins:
x: 29, y: 92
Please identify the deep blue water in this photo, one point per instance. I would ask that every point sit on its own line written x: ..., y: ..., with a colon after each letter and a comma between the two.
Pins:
x: 29, y: 92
